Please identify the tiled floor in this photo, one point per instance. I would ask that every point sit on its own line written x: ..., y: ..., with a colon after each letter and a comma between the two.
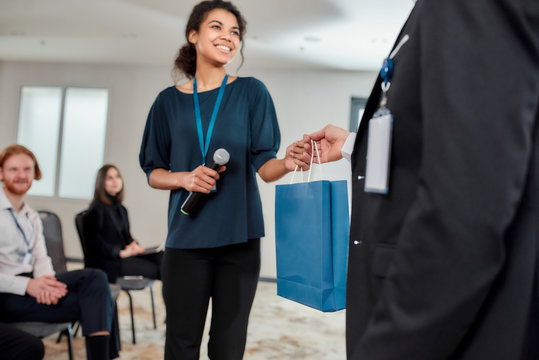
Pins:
x: 279, y: 329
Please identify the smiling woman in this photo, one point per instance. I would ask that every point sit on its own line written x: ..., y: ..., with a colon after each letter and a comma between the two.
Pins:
x: 217, y: 40
x: 215, y: 251
x: 209, y: 29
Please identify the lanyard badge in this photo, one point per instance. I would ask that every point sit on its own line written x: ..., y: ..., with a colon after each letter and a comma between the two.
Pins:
x: 380, y: 133
x: 28, y: 254
x: 205, y: 144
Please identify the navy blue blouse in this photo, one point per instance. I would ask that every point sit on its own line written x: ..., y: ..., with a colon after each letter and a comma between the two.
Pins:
x: 246, y: 127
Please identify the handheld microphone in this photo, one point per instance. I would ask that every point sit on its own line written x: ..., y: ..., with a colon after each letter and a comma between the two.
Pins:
x: 220, y: 158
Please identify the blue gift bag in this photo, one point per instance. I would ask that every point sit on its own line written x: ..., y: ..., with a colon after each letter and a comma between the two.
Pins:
x: 311, y: 231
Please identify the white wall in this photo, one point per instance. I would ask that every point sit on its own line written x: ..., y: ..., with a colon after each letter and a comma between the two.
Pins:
x: 305, y: 102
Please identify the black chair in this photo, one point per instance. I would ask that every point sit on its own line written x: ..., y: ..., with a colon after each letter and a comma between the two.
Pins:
x: 52, y: 230
x: 126, y: 283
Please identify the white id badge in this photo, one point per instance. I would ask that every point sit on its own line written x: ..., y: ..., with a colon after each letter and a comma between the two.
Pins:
x: 27, y: 258
x: 378, y: 154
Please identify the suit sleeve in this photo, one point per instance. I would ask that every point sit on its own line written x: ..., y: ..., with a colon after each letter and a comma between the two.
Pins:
x: 479, y: 100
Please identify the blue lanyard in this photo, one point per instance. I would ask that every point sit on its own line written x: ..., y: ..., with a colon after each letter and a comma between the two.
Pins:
x: 204, y: 145
x: 386, y: 73
x: 26, y: 241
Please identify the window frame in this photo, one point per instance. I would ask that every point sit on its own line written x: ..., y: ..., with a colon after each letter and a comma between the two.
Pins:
x: 356, y: 104
x: 61, y: 125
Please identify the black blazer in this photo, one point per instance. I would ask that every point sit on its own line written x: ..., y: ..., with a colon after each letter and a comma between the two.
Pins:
x: 445, y: 266
x: 107, y: 231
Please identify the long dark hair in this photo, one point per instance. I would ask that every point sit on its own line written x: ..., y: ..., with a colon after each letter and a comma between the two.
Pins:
x: 186, y: 61
x: 100, y: 195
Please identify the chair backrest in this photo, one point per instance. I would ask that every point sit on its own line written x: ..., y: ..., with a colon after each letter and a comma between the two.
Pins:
x: 79, y: 224
x: 52, y: 231
x: 89, y: 251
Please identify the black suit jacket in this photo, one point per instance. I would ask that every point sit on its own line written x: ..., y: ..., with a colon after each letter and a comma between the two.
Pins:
x: 445, y: 266
x: 107, y: 232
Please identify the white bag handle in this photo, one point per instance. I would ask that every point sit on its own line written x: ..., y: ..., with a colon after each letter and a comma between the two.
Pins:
x: 311, y: 164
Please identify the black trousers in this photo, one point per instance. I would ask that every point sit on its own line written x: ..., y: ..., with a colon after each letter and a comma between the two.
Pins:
x: 18, y: 345
x: 146, y: 265
x: 229, y: 276
x: 88, y: 300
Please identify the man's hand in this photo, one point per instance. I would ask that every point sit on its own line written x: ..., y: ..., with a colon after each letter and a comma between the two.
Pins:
x: 46, y: 289
x: 329, y: 140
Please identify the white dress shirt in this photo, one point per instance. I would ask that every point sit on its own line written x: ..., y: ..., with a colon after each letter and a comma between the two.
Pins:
x: 14, y: 247
x: 348, y: 146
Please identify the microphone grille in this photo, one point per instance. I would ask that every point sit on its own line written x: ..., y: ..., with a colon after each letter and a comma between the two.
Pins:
x: 221, y: 156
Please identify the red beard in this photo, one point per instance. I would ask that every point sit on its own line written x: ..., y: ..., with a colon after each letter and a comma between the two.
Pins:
x: 16, y: 188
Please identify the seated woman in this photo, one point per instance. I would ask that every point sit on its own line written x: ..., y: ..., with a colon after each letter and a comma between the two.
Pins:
x: 118, y: 254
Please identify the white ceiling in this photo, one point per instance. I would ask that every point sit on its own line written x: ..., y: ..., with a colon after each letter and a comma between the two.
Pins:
x: 323, y: 34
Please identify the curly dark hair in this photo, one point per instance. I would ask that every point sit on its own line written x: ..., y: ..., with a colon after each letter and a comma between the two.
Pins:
x: 187, y: 57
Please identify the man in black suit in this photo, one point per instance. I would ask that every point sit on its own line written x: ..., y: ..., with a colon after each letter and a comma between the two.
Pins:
x: 444, y: 260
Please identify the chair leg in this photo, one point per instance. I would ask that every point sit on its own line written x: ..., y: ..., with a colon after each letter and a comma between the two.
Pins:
x: 153, y: 308
x: 132, y: 316
x: 77, y: 327
x: 65, y: 332
x: 117, y: 325
x: 60, y: 334
x: 70, y: 342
